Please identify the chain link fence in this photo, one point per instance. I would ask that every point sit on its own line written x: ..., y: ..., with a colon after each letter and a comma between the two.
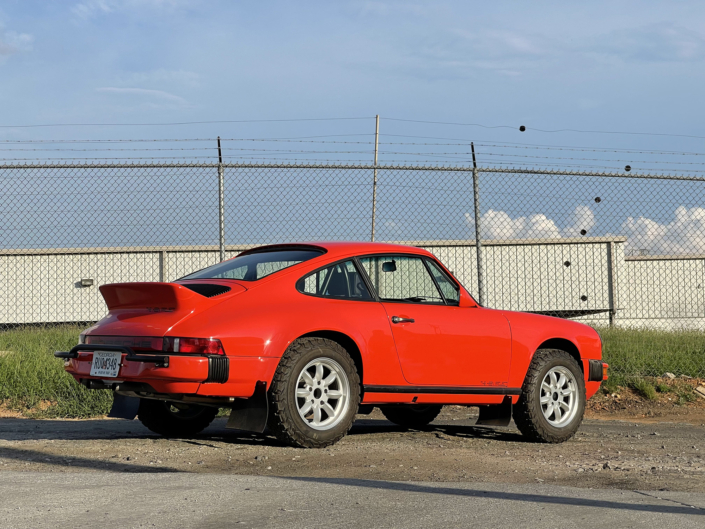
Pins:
x: 619, y: 251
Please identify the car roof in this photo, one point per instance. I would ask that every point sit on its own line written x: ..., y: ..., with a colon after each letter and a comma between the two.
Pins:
x: 345, y: 248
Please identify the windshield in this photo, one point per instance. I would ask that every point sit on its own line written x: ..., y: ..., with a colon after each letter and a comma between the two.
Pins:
x: 254, y: 266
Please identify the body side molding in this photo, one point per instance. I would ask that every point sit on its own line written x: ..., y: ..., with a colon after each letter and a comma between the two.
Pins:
x: 447, y: 390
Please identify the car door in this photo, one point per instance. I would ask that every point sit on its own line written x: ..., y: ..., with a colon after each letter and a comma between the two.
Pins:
x: 438, y: 342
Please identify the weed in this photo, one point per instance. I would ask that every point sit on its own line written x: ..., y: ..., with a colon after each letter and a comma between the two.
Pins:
x: 646, y: 352
x: 685, y: 395
x: 34, y: 382
x: 645, y: 388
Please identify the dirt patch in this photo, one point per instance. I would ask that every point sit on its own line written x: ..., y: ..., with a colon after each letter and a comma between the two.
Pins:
x: 671, y: 400
x: 41, y: 406
x: 6, y: 412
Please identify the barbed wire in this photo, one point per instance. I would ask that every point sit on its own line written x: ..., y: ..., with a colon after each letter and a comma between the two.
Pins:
x: 138, y: 140
x: 212, y: 122
x: 524, y: 128
x: 542, y: 146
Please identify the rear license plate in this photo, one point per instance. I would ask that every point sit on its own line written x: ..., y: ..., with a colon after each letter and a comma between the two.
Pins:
x: 105, y: 364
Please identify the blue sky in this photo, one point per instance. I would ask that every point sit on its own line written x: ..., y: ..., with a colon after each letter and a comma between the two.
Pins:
x: 591, y: 66
x: 635, y: 66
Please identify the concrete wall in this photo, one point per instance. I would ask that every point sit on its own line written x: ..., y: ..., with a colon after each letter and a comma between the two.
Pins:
x: 572, y: 276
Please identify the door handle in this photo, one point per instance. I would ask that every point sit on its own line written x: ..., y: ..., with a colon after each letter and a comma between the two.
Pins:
x: 397, y: 319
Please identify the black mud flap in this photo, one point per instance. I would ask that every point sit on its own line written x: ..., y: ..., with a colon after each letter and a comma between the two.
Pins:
x: 250, y: 414
x: 124, y: 407
x: 496, y: 414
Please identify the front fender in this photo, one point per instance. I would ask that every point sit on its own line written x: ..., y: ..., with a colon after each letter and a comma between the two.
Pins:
x: 531, y: 331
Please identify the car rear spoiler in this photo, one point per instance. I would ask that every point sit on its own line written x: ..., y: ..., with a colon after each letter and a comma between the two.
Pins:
x: 153, y: 297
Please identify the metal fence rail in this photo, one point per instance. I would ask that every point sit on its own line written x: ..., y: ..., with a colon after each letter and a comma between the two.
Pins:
x: 624, y: 252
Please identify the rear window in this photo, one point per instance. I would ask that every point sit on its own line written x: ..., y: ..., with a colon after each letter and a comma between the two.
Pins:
x: 254, y: 266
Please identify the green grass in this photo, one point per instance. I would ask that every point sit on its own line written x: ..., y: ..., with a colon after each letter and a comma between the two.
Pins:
x: 648, y: 353
x: 33, y: 382
x: 645, y: 388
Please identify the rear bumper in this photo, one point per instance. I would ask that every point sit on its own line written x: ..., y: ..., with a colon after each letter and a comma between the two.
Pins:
x: 174, y: 373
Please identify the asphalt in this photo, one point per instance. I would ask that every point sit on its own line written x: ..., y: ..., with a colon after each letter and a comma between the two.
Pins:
x: 106, y: 499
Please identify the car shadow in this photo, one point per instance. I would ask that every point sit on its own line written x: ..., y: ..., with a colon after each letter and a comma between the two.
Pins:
x: 64, y: 461
x: 13, y: 429
x: 377, y: 426
x: 534, y: 498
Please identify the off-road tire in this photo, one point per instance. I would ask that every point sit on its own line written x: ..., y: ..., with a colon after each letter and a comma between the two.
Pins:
x: 527, y: 411
x: 284, y: 419
x: 158, y: 416
x: 412, y: 416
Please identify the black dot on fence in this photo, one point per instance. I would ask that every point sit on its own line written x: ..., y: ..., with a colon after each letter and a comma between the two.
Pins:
x: 567, y: 263
x: 583, y: 298
x: 522, y: 128
x: 598, y: 200
x: 628, y: 168
x: 583, y: 232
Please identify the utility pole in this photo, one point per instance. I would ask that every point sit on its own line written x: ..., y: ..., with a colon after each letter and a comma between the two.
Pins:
x: 374, y: 182
x: 478, y: 241
x: 221, y: 203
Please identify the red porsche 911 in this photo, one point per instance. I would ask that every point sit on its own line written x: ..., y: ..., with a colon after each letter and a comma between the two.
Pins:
x: 302, y: 337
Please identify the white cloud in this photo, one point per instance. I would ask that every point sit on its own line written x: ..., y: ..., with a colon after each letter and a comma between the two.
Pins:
x: 666, y: 42
x: 685, y: 234
x: 12, y: 42
x: 500, y: 225
x: 459, y: 52
x: 162, y: 75
x: 93, y: 8
x: 144, y: 93
x: 583, y: 219
x: 379, y: 8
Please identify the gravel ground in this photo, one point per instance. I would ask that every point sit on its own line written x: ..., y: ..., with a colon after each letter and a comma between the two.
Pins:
x: 623, y: 454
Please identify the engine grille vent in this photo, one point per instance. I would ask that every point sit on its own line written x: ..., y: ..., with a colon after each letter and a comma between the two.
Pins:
x: 207, y: 290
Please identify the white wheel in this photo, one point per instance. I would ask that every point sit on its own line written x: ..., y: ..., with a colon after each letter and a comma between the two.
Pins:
x: 559, y: 396
x: 322, y: 393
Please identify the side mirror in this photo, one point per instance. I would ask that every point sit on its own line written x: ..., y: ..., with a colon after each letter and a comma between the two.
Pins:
x: 389, y: 266
x: 466, y: 300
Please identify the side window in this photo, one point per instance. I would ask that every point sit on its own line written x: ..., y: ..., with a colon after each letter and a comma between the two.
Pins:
x: 234, y: 273
x: 449, y: 289
x: 340, y: 281
x: 399, y: 278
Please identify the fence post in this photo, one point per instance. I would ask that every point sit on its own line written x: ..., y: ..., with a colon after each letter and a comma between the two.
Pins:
x: 612, y: 282
x: 374, y: 182
x: 163, y: 274
x: 478, y: 241
x: 221, y: 204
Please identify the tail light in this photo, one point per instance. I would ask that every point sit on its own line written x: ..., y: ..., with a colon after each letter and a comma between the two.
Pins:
x: 206, y: 346
x: 605, y: 367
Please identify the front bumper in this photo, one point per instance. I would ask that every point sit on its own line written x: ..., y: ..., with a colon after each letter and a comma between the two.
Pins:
x: 597, y: 371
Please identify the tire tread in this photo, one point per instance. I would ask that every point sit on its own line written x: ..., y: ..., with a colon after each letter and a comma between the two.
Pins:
x: 280, y: 422
x: 528, y: 418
